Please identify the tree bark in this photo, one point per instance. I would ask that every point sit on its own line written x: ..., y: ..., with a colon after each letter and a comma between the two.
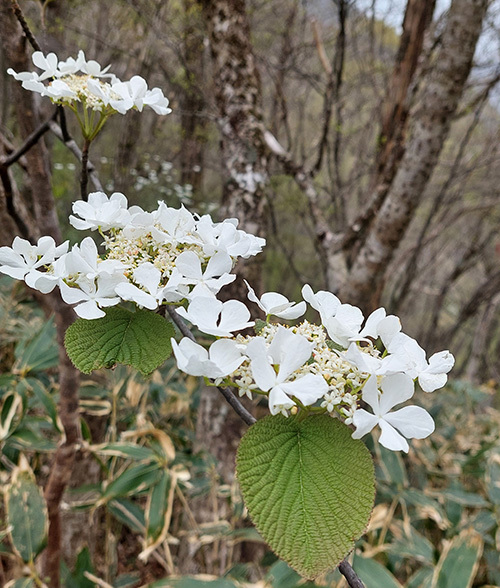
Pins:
x: 239, y: 113
x: 46, y: 222
x: 430, y: 120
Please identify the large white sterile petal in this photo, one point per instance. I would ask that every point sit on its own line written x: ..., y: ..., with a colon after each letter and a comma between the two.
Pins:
x: 430, y: 382
x: 363, y: 361
x: 324, y: 302
x: 410, y: 352
x: 364, y: 423
x: 279, y: 401
x: 156, y: 100
x: 23, y: 76
x: 413, y: 422
x: 59, y: 89
x: 371, y: 325
x: 33, y: 85
x: 234, y: 316
x: 190, y: 356
x: 307, y: 389
x: 47, y: 63
x: 72, y: 295
x: 274, y: 302
x: 202, y: 311
x: 391, y: 439
x: 127, y: 291
x: 371, y: 394
x: 210, y: 287
x: 17, y: 273
x: 262, y: 370
x: 440, y: 363
x: 293, y: 312
x: 10, y: 257
x: 295, y: 350
x: 218, y: 265
x: 189, y: 265
x: 388, y: 328
x: 148, y: 276
x: 226, y: 355
x: 89, y: 310
x: 395, y: 389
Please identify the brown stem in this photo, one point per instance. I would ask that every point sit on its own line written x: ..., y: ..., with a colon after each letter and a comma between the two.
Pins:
x: 28, y: 143
x: 62, y: 134
x: 350, y: 575
x: 22, y: 21
x: 84, y: 177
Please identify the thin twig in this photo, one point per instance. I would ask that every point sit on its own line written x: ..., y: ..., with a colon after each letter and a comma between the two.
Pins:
x: 228, y: 394
x: 183, y: 328
x: 350, y: 575
x: 28, y: 144
x: 84, y: 177
x: 22, y: 21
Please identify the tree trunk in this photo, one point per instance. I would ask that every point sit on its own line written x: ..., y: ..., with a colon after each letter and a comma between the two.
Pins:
x: 430, y: 120
x: 45, y: 214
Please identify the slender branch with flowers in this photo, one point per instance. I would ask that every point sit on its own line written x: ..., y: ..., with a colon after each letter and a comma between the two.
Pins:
x: 327, y: 384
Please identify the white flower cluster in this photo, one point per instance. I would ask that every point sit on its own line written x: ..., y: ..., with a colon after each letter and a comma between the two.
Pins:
x: 332, y: 367
x: 172, y: 256
x: 85, y: 81
x: 168, y: 255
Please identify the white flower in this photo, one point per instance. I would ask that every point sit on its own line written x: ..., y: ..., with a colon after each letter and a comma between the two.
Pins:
x: 92, y: 295
x: 431, y: 375
x: 216, y: 274
x: 344, y: 325
x: 178, y: 225
x: 147, y: 276
x: 276, y: 304
x: 412, y: 422
x: 156, y: 100
x: 47, y: 63
x: 80, y: 79
x: 289, y: 351
x: 222, y: 358
x: 72, y: 65
x: 100, y: 212
x: 57, y: 89
x: 379, y: 324
x: 324, y: 302
x: 56, y: 272
x: 84, y: 263
x: 22, y: 260
x: 135, y: 93
x: 217, y: 318
x: 365, y: 362
x: 226, y: 237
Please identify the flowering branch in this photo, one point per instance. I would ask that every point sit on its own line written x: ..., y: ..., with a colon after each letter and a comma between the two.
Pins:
x: 228, y: 394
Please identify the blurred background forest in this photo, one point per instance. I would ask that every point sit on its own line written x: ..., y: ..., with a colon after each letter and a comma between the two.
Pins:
x: 361, y: 138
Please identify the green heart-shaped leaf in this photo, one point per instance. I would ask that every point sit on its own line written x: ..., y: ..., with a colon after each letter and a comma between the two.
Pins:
x: 140, y: 339
x: 309, y: 488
